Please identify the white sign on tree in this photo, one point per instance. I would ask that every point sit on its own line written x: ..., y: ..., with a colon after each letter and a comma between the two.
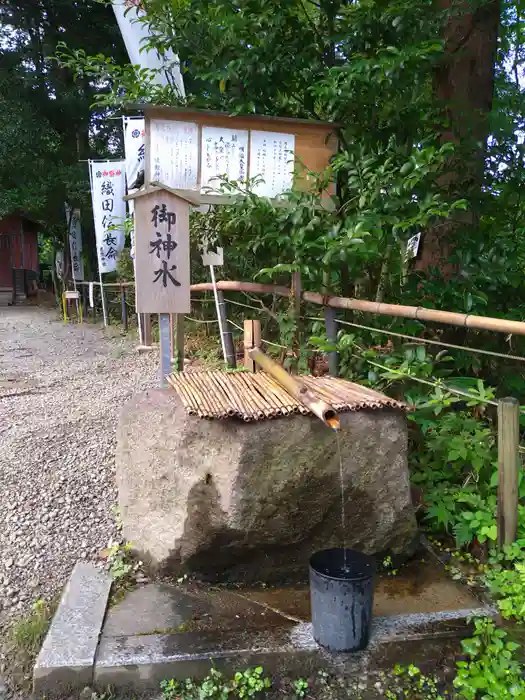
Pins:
x: 272, y: 158
x: 109, y: 211
x: 224, y: 152
x: 174, y: 153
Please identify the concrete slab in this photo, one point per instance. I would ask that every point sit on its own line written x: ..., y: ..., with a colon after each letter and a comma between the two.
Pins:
x: 67, y: 656
x: 163, y: 631
x: 141, y: 662
x: 165, y: 609
x: 421, y: 586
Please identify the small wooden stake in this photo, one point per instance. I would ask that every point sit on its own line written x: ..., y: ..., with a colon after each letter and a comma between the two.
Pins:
x: 508, y: 470
x: 252, y: 339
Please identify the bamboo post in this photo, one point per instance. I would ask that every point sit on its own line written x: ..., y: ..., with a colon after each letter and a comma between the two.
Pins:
x: 508, y: 469
x: 252, y: 339
x: 298, y: 389
x: 331, y: 334
x: 124, y: 307
x: 226, y: 331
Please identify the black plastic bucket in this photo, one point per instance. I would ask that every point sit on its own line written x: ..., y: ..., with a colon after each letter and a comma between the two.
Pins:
x: 342, y: 594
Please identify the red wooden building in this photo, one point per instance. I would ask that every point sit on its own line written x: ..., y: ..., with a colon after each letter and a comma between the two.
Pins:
x: 18, y: 256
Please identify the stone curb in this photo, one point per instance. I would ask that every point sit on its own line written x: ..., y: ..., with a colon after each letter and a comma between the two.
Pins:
x: 76, y: 654
x: 67, y: 657
x: 138, y: 663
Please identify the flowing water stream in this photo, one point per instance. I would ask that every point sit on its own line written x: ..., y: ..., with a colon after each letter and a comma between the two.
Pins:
x: 342, y: 485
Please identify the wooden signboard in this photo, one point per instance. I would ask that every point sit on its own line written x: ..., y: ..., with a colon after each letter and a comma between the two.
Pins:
x: 162, y: 251
x: 188, y: 149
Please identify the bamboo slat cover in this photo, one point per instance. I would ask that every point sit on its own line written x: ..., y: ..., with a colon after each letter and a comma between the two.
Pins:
x: 257, y: 396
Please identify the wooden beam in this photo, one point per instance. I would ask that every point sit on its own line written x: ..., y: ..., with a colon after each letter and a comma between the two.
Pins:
x: 508, y: 469
x: 252, y: 339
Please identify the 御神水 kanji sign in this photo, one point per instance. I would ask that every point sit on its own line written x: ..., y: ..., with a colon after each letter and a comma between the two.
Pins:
x: 162, y: 251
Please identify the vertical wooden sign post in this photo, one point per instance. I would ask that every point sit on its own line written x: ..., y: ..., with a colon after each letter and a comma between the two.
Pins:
x: 508, y: 469
x: 162, y: 258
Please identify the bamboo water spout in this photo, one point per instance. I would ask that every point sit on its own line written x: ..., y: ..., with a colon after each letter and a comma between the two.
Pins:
x: 297, y: 388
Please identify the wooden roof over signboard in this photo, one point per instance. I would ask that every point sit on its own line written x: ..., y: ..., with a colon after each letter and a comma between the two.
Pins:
x: 189, y: 114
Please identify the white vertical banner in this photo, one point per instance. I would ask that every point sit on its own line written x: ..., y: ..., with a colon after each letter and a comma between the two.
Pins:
x: 109, y: 211
x: 134, y: 130
x: 75, y: 242
x: 136, y: 34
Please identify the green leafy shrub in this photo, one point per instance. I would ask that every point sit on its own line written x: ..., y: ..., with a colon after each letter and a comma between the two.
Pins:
x: 251, y: 683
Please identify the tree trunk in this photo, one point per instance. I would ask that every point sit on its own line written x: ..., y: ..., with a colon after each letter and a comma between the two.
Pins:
x: 464, y: 84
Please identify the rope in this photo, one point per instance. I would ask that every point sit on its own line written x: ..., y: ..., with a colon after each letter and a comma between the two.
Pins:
x: 422, y: 340
x: 263, y: 340
x: 235, y: 325
x: 198, y: 320
x: 438, y: 385
x: 246, y: 306
x: 430, y: 342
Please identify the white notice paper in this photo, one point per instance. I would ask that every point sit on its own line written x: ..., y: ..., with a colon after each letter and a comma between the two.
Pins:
x: 211, y: 255
x: 272, y: 157
x: 413, y: 246
x: 174, y: 153
x: 224, y: 152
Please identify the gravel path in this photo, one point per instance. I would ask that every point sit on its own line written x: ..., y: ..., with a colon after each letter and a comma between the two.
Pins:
x: 61, y: 389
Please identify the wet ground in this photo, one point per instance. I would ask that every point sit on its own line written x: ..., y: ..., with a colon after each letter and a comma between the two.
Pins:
x: 422, y: 586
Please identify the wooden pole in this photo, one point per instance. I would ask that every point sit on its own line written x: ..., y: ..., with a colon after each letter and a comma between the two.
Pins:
x: 252, y: 339
x: 146, y: 329
x: 296, y: 294
x: 226, y: 331
x: 179, y: 337
x: 124, y: 308
x: 222, y: 329
x: 103, y: 297
x: 297, y: 291
x: 331, y: 335
x: 508, y: 469
x: 165, y: 348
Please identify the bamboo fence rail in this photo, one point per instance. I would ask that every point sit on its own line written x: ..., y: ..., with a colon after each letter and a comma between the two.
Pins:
x: 499, y: 325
